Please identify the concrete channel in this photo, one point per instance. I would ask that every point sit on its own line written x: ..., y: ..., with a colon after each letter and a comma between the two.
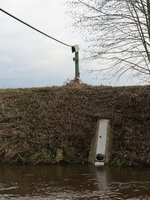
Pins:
x: 100, y: 153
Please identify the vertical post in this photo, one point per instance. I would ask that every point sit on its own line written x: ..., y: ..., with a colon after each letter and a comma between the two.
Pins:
x: 77, y: 65
x: 75, y: 49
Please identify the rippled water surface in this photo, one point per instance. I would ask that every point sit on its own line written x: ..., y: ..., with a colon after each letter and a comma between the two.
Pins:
x: 73, y: 182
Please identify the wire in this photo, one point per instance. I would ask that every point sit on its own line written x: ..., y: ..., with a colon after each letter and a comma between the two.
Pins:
x: 35, y: 28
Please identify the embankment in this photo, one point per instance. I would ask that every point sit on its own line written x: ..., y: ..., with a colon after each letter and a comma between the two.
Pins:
x: 36, y: 124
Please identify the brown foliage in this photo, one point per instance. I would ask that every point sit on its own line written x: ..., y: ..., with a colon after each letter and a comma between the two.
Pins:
x: 34, y: 123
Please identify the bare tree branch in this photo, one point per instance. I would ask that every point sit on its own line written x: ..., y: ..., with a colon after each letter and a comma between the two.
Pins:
x: 116, y: 30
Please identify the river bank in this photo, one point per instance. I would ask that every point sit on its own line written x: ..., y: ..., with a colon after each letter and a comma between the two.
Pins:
x: 57, y: 124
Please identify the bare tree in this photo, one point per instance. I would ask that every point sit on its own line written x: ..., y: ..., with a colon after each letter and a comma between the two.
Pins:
x: 117, y: 31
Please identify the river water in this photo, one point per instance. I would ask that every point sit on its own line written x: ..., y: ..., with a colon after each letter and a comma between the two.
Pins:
x: 73, y: 183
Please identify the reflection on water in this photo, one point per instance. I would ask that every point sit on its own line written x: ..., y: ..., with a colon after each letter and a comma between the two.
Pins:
x: 73, y: 182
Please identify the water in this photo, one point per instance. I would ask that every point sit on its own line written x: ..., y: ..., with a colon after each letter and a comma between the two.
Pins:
x: 73, y: 183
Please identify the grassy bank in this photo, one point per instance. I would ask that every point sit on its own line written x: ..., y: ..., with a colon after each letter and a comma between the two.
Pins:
x: 36, y: 123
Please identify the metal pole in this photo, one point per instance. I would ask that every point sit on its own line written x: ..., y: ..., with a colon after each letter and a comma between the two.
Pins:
x: 75, y: 49
x: 77, y: 65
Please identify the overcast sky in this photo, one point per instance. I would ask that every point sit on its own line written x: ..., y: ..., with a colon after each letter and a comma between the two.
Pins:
x: 28, y: 59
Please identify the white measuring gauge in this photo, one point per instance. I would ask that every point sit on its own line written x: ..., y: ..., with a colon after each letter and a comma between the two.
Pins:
x: 101, y: 142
